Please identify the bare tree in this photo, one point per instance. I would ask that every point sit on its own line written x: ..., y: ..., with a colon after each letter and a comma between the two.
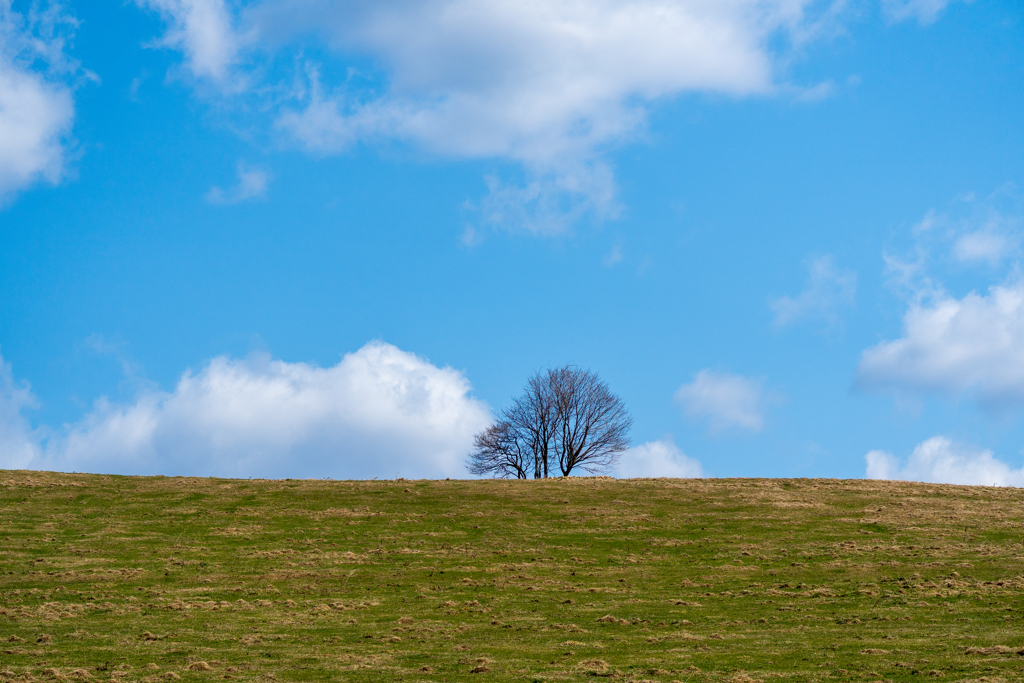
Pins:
x: 566, y: 417
x: 593, y: 424
x: 534, y: 416
x: 500, y: 451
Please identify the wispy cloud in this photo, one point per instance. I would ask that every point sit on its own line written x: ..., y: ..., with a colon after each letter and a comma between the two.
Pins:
x: 19, y: 443
x: 924, y: 11
x: 551, y: 202
x: 972, y: 231
x: 814, y: 93
x: 986, y: 245
x: 725, y: 400
x: 614, y: 256
x: 939, y: 460
x: 471, y: 237
x: 828, y: 288
x: 252, y: 184
x: 205, y: 32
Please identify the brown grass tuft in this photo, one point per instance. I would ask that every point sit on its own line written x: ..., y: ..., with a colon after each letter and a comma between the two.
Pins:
x: 593, y: 667
x: 481, y: 666
x: 994, y: 650
x: 609, y: 619
x: 742, y: 677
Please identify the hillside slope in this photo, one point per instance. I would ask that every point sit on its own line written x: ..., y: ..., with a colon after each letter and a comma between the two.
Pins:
x: 152, y: 579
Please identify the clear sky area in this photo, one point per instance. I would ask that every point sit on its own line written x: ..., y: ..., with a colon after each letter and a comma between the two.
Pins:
x: 304, y: 238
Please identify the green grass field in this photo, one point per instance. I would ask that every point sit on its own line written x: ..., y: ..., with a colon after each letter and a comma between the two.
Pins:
x: 152, y: 579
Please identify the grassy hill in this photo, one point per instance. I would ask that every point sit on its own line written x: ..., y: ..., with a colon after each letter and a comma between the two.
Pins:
x: 152, y: 579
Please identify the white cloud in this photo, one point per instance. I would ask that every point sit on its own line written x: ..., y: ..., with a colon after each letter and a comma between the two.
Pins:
x: 958, y: 346
x: 660, y: 458
x: 925, y: 11
x: 983, y: 245
x: 548, y: 84
x: 940, y: 461
x: 828, y: 287
x: 974, y: 230
x: 534, y: 81
x: 19, y: 444
x: 552, y: 202
x: 379, y: 412
x: 35, y: 117
x: 725, y: 400
x: 954, y: 345
x: 252, y: 184
x: 36, y: 104
x: 204, y: 32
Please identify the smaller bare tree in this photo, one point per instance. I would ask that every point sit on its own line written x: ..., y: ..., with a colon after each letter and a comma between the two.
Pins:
x: 501, y: 451
x: 533, y: 416
x: 567, y: 418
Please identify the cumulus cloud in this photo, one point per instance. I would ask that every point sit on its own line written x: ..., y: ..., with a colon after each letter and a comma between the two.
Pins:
x: 725, y: 400
x: 828, y: 287
x: 660, y: 458
x: 974, y: 344
x: 36, y: 103
x: 939, y: 460
x: 19, y: 443
x: 380, y: 412
x: 252, y: 184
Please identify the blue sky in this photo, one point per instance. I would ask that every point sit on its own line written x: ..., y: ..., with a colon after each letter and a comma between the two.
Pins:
x: 312, y: 238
